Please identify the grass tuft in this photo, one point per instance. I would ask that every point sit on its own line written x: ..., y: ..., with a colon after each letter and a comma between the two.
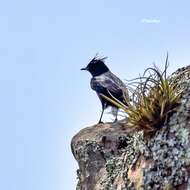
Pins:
x: 152, y: 101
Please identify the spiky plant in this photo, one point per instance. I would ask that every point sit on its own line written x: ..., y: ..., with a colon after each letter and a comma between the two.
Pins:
x: 153, y: 100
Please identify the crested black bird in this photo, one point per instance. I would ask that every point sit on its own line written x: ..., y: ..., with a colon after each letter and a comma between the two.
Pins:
x: 104, y: 82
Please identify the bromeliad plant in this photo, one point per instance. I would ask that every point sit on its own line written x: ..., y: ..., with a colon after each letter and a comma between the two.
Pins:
x: 152, y: 101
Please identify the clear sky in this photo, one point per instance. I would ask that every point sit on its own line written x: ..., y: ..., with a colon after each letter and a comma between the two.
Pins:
x: 44, y: 97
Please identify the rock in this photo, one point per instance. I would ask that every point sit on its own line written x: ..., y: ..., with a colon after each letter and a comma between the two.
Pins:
x: 114, y: 157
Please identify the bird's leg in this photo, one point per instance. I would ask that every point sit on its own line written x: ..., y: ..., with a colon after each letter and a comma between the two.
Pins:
x: 116, y: 113
x: 103, y: 107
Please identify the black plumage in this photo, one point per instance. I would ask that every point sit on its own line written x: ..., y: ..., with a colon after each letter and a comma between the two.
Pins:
x: 104, y: 82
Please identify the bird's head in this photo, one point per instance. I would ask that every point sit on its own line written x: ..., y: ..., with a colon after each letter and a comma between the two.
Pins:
x: 96, y: 66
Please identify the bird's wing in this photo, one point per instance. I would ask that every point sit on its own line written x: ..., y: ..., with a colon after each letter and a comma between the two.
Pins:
x: 100, y: 83
x: 111, y: 84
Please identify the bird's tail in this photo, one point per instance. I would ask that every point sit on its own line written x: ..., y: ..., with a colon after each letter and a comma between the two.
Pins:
x: 126, y: 96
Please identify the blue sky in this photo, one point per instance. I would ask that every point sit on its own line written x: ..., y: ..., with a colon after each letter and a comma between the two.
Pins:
x: 44, y: 97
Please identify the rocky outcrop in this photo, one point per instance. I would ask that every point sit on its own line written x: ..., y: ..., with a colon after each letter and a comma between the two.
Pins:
x: 114, y: 157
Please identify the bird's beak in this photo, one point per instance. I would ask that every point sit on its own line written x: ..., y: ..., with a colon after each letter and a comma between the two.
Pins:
x: 84, y: 69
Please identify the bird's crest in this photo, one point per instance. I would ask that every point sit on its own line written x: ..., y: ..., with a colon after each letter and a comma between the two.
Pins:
x: 98, y: 58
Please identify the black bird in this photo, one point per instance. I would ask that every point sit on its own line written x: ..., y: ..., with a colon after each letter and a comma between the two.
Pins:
x: 104, y: 82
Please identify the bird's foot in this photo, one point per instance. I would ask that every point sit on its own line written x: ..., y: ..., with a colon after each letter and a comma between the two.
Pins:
x: 100, y: 122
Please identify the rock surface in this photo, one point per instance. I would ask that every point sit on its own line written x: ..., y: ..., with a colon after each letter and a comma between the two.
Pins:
x: 113, y: 157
